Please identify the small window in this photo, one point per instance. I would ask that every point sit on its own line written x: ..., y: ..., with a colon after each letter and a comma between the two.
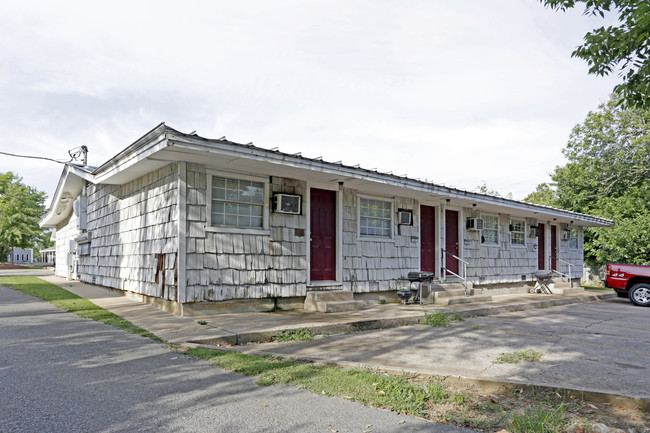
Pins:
x: 490, y: 232
x: 375, y: 218
x: 236, y: 203
x: 517, y: 232
x: 573, y: 238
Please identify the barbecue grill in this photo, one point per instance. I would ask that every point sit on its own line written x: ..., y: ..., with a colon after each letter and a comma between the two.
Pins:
x: 544, y: 278
x: 415, y: 290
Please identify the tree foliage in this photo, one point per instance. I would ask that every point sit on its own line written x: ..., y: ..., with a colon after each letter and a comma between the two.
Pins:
x: 608, y: 175
x: 483, y: 188
x: 624, y: 48
x: 21, y: 207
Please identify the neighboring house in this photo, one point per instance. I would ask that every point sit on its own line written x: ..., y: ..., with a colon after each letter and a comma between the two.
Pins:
x: 21, y: 255
x: 48, y: 255
x: 187, y: 221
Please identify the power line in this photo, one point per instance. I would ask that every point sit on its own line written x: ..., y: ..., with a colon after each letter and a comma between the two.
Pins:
x: 14, y: 197
x: 33, y: 157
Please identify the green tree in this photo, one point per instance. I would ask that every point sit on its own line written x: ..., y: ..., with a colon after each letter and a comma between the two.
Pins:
x: 624, y: 48
x: 21, y: 207
x: 608, y: 175
x: 483, y: 188
x: 544, y: 194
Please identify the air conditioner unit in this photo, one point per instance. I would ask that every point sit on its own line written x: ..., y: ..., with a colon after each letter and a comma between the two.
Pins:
x: 405, y: 217
x: 474, y: 224
x: 286, y: 203
x: 533, y: 231
x: 564, y: 235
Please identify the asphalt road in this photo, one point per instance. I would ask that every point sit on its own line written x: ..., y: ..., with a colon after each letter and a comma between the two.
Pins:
x: 600, y: 346
x: 61, y: 373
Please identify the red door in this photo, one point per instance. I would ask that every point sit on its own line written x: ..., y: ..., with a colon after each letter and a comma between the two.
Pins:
x: 323, y: 235
x: 451, y: 239
x: 541, y: 247
x: 427, y: 239
x: 554, y: 247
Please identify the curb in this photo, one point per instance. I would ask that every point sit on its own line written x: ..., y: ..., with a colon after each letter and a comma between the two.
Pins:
x: 366, y: 325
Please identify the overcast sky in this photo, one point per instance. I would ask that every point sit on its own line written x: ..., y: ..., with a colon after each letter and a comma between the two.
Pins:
x: 456, y: 92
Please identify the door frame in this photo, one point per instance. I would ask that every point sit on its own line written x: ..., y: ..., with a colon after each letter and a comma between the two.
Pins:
x: 437, y: 238
x: 443, y: 235
x: 338, y: 231
x: 541, y: 244
x: 553, y: 241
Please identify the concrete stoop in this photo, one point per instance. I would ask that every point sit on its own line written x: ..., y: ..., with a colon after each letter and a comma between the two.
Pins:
x: 454, y: 294
x: 332, y: 301
x: 562, y: 290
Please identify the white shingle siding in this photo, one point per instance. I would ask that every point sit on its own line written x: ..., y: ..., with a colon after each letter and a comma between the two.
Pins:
x: 129, y: 225
x: 375, y: 265
x: 66, y: 232
x: 223, y: 265
x: 507, y: 263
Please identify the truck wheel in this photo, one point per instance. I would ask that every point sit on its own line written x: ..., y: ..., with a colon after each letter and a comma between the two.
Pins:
x: 640, y: 294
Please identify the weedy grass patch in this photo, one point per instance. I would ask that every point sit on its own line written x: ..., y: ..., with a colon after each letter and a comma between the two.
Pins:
x: 441, y: 319
x: 72, y: 303
x: 302, y: 334
x: 364, y: 386
x: 539, y: 419
x: 529, y: 355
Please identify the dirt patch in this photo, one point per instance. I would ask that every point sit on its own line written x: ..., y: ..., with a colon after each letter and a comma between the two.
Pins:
x: 490, y: 407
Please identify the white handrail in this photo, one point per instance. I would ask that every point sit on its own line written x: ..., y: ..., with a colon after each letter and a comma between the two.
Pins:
x: 562, y: 273
x: 464, y: 277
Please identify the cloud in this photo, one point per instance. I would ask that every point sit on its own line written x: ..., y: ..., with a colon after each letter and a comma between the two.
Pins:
x: 458, y: 93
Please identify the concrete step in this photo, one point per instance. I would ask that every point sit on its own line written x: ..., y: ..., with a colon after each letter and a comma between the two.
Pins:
x: 449, y: 293
x: 312, y: 299
x: 439, y: 286
x: 457, y: 300
x: 340, y: 306
x: 567, y: 290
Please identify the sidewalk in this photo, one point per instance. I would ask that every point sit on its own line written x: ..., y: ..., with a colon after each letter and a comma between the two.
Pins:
x: 243, y: 328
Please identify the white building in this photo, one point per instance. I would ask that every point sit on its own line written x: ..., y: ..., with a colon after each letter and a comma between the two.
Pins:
x: 21, y: 255
x: 191, y: 222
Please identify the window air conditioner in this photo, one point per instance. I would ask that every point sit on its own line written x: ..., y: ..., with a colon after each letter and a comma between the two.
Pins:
x: 405, y: 217
x: 564, y: 235
x: 533, y: 231
x: 286, y: 203
x: 474, y: 224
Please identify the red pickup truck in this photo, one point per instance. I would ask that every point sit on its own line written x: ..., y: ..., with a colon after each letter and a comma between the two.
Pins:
x: 631, y: 281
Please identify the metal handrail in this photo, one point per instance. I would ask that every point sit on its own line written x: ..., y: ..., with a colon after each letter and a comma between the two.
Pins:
x: 464, y: 277
x: 562, y: 273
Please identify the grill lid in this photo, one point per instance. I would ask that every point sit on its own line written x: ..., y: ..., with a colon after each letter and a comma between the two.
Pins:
x: 543, y: 274
x: 420, y: 276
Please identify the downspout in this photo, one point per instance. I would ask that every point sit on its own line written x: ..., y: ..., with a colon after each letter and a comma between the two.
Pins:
x: 182, y: 234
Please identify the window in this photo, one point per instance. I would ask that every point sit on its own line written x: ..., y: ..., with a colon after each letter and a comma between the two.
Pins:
x: 375, y: 218
x: 573, y: 237
x: 490, y: 232
x: 517, y: 232
x: 236, y: 203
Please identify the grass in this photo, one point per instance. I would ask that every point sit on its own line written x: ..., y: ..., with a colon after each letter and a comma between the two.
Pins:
x: 539, y: 419
x: 72, y: 303
x: 302, y: 334
x: 441, y: 319
x: 364, y: 386
x: 202, y: 322
x: 597, y: 288
x: 515, y: 357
